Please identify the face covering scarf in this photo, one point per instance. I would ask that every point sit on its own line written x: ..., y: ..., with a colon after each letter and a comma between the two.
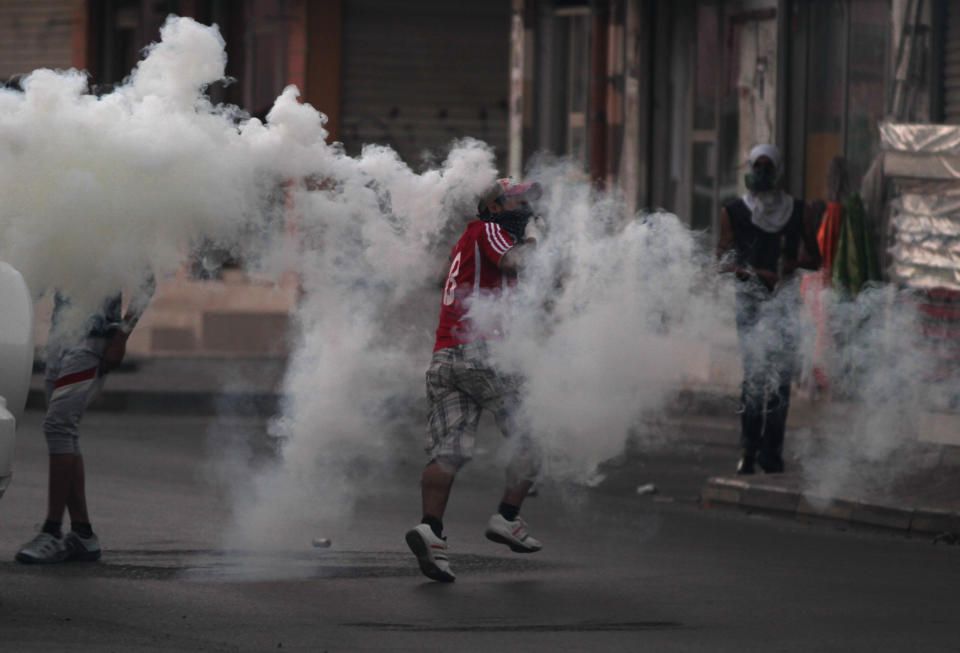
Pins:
x: 514, y: 222
x: 770, y: 208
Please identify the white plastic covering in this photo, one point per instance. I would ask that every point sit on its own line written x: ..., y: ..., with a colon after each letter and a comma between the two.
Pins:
x: 926, y: 240
x: 925, y: 218
x: 920, y: 139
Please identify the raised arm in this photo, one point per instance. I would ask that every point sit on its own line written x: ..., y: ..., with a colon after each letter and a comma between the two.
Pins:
x: 116, y: 349
x: 518, y: 255
x: 139, y: 300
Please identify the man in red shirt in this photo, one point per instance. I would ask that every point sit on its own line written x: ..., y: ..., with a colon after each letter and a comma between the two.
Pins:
x: 461, y: 381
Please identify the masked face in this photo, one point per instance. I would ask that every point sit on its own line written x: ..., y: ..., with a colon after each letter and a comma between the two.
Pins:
x: 513, y: 216
x: 514, y: 221
x: 763, y: 176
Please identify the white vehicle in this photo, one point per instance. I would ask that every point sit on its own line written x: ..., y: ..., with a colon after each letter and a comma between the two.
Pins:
x: 16, y: 361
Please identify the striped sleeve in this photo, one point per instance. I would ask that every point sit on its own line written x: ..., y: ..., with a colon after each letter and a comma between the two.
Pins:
x: 494, y: 241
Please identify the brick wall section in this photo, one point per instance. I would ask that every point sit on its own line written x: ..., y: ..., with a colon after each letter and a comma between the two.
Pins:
x: 36, y: 34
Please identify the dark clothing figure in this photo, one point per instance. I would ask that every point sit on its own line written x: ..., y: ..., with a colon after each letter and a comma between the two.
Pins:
x: 757, y: 249
x: 768, y: 344
x: 762, y: 241
x: 766, y: 332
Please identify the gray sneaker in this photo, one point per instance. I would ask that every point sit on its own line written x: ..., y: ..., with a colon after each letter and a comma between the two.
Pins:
x: 83, y: 549
x: 512, y: 533
x: 44, y: 548
x: 431, y: 552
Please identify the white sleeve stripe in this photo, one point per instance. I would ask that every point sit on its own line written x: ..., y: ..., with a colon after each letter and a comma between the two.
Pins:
x: 494, y: 243
x: 496, y: 238
x: 506, y: 244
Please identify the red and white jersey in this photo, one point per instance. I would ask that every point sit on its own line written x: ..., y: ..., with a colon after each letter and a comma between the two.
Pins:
x: 473, y: 270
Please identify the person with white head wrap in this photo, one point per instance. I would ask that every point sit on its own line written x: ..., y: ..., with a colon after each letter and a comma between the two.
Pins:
x: 770, y: 207
x: 759, y: 241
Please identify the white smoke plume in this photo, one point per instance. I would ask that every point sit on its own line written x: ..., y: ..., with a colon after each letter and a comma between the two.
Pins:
x: 882, y: 388
x: 98, y: 189
x: 597, y: 322
x: 93, y: 190
x: 366, y: 324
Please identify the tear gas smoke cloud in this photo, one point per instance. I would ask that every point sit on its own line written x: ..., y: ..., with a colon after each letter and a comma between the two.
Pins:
x: 600, y: 324
x: 92, y: 189
x: 882, y: 383
x: 96, y: 189
x: 597, y: 324
x: 365, y: 336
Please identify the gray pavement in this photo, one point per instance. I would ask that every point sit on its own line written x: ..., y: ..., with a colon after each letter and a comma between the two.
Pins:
x: 926, y: 500
x: 619, y: 572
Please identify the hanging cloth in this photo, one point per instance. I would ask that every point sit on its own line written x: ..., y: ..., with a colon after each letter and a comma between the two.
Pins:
x: 815, y: 283
x: 855, y: 261
x: 828, y: 235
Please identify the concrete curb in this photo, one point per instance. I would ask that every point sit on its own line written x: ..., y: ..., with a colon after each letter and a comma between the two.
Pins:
x: 764, y: 496
x: 239, y: 404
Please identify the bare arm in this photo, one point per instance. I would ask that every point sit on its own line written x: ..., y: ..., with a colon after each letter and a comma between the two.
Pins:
x: 139, y: 301
x: 116, y: 349
x: 516, y: 257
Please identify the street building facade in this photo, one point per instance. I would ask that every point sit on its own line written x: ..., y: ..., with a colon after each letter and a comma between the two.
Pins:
x: 664, y: 100
x: 660, y: 101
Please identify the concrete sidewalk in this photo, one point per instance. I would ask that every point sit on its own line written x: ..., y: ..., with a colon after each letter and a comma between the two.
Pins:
x: 923, y: 499
x: 926, y: 502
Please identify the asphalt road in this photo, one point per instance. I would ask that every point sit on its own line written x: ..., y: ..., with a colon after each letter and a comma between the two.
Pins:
x: 618, y: 572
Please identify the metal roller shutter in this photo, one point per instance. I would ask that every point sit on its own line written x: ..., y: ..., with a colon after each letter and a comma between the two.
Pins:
x: 418, y: 74
x: 35, y: 34
x: 951, y: 65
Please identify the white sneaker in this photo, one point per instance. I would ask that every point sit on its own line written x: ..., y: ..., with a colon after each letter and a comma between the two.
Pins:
x: 43, y: 548
x: 431, y: 552
x: 512, y: 533
x: 84, y: 549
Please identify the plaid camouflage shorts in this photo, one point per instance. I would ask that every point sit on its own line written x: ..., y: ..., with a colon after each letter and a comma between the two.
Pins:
x: 461, y: 384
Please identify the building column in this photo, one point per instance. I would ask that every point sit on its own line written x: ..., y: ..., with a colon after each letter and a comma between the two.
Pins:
x: 325, y: 60
x: 314, y: 42
x: 633, y: 166
x: 520, y: 118
x: 80, y: 48
x: 597, y: 123
x: 616, y: 62
x: 297, y: 45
